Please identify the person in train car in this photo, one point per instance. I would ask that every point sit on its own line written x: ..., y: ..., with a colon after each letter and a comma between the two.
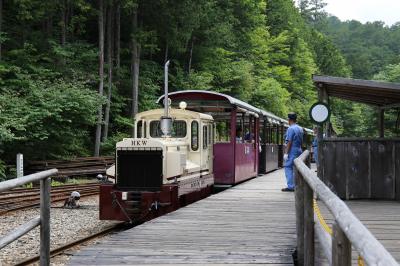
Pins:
x: 249, y: 137
x: 294, y: 141
x: 239, y: 135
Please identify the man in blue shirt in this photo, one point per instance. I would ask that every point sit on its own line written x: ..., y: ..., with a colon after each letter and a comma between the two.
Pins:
x: 294, y: 140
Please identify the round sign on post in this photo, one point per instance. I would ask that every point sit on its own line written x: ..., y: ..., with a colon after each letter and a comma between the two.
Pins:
x: 320, y: 112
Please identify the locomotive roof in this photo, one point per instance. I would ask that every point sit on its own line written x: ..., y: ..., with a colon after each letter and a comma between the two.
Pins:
x: 175, y: 111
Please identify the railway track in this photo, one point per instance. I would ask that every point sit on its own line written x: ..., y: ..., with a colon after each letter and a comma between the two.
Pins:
x: 85, y: 166
x: 23, y: 198
x: 61, y: 249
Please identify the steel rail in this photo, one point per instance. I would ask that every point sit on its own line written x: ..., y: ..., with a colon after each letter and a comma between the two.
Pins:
x: 54, y: 198
x: 72, y: 244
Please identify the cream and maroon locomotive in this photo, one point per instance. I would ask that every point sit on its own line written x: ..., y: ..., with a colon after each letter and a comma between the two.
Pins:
x: 157, y: 172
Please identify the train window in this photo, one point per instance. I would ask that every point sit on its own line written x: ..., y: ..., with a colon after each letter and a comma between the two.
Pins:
x: 213, y: 133
x: 139, y: 127
x: 195, y: 135
x: 223, y: 131
x: 209, y: 134
x: 144, y: 129
x: 274, y: 134
x: 178, y: 129
x: 205, y: 137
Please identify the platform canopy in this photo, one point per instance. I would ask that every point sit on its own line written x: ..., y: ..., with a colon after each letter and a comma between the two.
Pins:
x: 380, y: 94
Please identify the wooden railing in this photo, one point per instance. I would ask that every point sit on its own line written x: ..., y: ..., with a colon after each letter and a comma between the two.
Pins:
x: 43, y: 220
x: 347, y: 230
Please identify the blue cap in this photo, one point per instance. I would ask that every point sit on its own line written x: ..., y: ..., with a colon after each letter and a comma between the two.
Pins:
x: 292, y: 116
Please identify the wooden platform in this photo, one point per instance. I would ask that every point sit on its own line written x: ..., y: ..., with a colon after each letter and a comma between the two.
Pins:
x: 382, y: 218
x: 252, y: 223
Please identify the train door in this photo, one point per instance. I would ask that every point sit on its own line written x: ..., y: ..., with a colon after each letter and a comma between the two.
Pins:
x: 246, y: 146
x: 211, y: 130
x: 224, y: 148
x: 263, y: 140
x: 205, y: 147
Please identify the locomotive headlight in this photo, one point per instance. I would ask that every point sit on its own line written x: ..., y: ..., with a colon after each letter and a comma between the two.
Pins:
x: 124, y: 195
x: 183, y: 105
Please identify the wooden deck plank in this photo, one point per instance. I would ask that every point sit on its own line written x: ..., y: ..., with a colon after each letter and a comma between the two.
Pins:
x: 382, y: 218
x: 252, y: 223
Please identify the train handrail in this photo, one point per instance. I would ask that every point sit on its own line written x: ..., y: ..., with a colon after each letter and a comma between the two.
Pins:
x: 43, y: 220
x: 347, y: 228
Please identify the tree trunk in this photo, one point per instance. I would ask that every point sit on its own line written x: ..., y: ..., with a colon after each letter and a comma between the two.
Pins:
x: 110, y: 69
x: 1, y: 21
x: 71, y: 36
x: 49, y: 27
x: 101, y: 78
x: 118, y: 35
x: 64, y: 23
x: 190, y: 56
x: 166, y: 51
x: 135, y: 61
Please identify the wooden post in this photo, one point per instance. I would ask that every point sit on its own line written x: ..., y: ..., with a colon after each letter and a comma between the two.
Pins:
x: 20, y: 165
x: 299, y: 203
x: 308, y: 225
x: 381, y: 123
x: 341, y: 247
x: 324, y: 97
x: 45, y: 221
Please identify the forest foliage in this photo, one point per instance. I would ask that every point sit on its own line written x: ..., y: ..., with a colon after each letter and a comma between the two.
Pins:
x: 74, y: 73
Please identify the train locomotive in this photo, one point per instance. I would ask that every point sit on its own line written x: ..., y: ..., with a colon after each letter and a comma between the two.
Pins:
x: 155, y: 174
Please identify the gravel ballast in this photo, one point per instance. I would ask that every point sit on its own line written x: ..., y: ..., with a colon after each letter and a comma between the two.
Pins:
x: 67, y: 225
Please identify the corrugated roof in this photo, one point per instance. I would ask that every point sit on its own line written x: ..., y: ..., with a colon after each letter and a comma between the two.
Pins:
x: 229, y: 99
x: 275, y: 119
x: 382, y: 94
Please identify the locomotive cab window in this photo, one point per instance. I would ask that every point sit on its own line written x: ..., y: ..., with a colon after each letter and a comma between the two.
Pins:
x: 210, y: 137
x: 205, y: 137
x: 194, y: 139
x: 178, y: 129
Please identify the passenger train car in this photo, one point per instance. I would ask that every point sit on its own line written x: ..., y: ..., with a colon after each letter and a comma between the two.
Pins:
x: 216, y: 140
